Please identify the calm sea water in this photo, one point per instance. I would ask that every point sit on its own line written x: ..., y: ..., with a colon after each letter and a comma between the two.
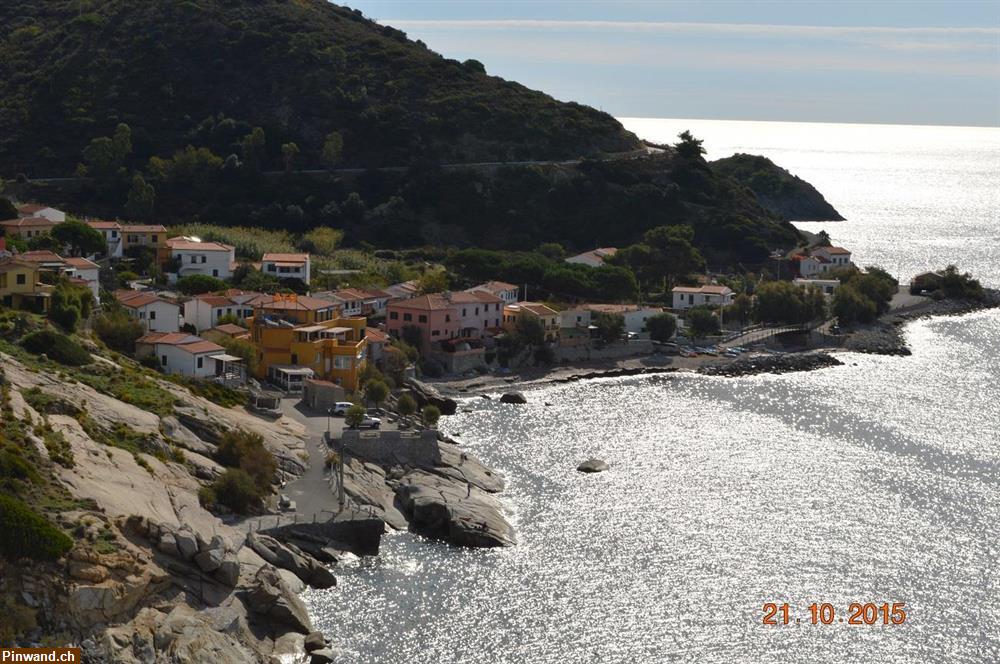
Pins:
x: 877, y: 481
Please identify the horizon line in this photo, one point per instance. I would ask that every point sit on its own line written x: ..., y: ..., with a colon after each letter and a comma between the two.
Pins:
x: 621, y: 118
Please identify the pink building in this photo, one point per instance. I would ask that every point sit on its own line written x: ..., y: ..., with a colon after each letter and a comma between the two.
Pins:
x: 477, y: 311
x: 433, y: 315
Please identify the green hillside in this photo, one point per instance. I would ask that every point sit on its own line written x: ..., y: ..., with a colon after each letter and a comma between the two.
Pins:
x: 206, y: 72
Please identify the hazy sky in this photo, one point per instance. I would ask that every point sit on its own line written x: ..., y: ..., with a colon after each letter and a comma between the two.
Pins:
x: 834, y: 61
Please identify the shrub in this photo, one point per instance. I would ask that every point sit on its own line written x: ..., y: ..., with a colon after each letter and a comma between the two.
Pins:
x: 661, y: 327
x: 196, y: 284
x: 850, y: 306
x: 13, y: 465
x: 27, y: 534
x: 406, y: 405
x: 235, y: 489
x: 702, y: 322
x: 354, y: 416
x: 431, y: 414
x: 58, y: 347
x: 245, y: 451
x: 376, y: 391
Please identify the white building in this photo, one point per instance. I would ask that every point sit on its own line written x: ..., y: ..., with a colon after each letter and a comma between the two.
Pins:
x: 404, y: 290
x: 634, y: 315
x: 34, y: 210
x: 204, y: 311
x: 506, y: 292
x: 191, y: 256
x: 186, y: 354
x: 89, y: 272
x: 837, y: 256
x: 825, y: 285
x: 287, y: 266
x: 593, y: 258
x: 158, y: 314
x: 820, y: 260
x: 112, y: 232
x: 712, y: 295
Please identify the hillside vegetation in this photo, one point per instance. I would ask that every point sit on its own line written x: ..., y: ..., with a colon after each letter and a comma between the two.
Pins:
x: 786, y: 195
x: 207, y: 72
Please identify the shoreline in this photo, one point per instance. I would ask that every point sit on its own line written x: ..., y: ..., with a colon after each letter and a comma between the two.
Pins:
x: 882, y: 337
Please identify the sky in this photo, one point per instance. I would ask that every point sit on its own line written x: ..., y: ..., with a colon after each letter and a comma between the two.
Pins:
x: 934, y: 63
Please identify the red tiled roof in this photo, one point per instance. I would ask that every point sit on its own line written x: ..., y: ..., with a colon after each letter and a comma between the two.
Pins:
x: 144, y: 228
x: 42, y: 256
x: 836, y: 250
x: 30, y: 208
x: 215, y: 300
x: 494, y: 287
x: 136, y: 299
x: 537, y: 308
x: 97, y: 224
x: 183, y: 244
x: 375, y: 335
x: 81, y: 263
x: 230, y: 329
x: 432, y: 302
x: 294, y: 258
x: 708, y: 289
x: 298, y: 303
x: 28, y: 221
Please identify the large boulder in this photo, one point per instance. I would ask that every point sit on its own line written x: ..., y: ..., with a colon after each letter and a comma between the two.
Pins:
x: 293, y: 559
x: 270, y: 596
x: 187, y: 544
x: 593, y: 466
x: 513, y: 397
x: 453, y: 511
x: 427, y: 395
x: 315, y: 641
x: 229, y: 570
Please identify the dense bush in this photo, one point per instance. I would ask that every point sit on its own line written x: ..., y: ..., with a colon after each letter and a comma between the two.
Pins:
x: 58, y: 347
x: 245, y: 450
x: 197, y: 284
x: 27, y: 534
x: 661, y: 326
x: 235, y: 489
x: 69, y: 305
x: 863, y: 296
x: 118, y: 330
x: 702, y: 322
x: 785, y: 302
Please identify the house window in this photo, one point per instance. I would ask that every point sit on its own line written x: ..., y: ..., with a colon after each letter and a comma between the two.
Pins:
x: 463, y: 313
x: 393, y: 315
x: 21, y: 280
x: 201, y: 362
x: 295, y: 358
x: 194, y: 259
x: 163, y: 360
x: 477, y: 311
x: 422, y: 318
x: 271, y: 267
x: 407, y: 316
x: 215, y: 273
x: 154, y: 239
x: 436, y: 333
x: 447, y: 318
x: 152, y: 315
x: 114, y: 234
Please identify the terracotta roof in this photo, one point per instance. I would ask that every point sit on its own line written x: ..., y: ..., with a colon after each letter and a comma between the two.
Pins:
x: 707, y: 289
x: 144, y: 228
x: 432, y: 302
x: 598, y: 254
x: 375, y: 335
x: 230, y: 329
x: 82, y: 263
x: 203, y: 346
x: 472, y: 297
x: 296, y: 258
x: 350, y: 294
x: 101, y: 225
x: 8, y: 264
x: 537, y: 308
x: 28, y: 221
x: 377, y: 294
x: 293, y: 303
x: 136, y: 299
x: 30, y: 208
x: 835, y: 250
x: 186, y: 342
x: 215, y: 300
x: 190, y: 245
x: 611, y: 308
x: 494, y: 287
x: 42, y: 256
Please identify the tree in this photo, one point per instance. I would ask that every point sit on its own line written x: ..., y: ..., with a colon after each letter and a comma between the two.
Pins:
x: 7, y: 209
x: 610, y: 327
x: 245, y: 450
x: 850, y: 306
x: 117, y: 329
x: 141, y: 198
x: 333, y: 148
x: 197, y: 284
x: 661, y: 327
x: 675, y: 252
x: 530, y: 330
x: 689, y: 147
x: 354, y: 416
x: 322, y: 240
x: 406, y: 406
x: 376, y: 392
x: 431, y: 414
x: 702, y: 322
x: 254, y: 149
x: 552, y: 250
x: 742, y: 307
x: 289, y: 151
x: 235, y: 489
x: 433, y: 281
x: 81, y: 239
x: 412, y: 336
x: 69, y: 305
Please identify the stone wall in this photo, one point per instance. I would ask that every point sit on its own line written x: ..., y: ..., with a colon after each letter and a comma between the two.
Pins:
x: 608, y: 352
x: 393, y: 447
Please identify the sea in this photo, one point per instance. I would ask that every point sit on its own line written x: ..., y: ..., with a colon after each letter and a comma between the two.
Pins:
x: 876, y: 482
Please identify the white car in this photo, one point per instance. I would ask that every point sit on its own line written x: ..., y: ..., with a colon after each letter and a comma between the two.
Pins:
x: 341, y: 407
x: 370, y: 422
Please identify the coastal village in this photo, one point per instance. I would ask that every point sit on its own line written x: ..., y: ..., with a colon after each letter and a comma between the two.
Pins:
x: 291, y: 336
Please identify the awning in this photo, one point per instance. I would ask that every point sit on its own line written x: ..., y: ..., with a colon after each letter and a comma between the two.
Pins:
x: 225, y: 358
x: 310, y: 328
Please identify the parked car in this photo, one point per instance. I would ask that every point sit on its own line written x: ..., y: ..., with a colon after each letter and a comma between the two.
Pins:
x: 340, y: 408
x: 370, y: 422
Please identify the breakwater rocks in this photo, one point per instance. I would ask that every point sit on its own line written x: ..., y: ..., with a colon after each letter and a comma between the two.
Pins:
x: 774, y: 364
x: 883, y: 339
x: 615, y: 373
x: 427, y: 395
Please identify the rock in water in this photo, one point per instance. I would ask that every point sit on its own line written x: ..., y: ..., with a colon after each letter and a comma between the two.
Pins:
x: 315, y: 641
x: 513, y: 397
x: 593, y: 466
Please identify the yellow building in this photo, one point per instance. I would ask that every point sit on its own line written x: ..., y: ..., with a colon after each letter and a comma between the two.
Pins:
x: 301, y: 337
x: 547, y: 316
x: 21, y: 287
x: 28, y: 227
x: 146, y: 235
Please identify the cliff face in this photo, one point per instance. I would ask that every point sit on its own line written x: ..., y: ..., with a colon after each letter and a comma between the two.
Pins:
x: 778, y: 191
x: 151, y: 575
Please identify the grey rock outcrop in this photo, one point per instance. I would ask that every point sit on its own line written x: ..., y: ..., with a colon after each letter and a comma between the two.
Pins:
x: 593, y: 466
x: 270, y: 596
x: 291, y: 558
x: 427, y: 395
x: 456, y: 513
x: 513, y: 397
x: 315, y: 641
